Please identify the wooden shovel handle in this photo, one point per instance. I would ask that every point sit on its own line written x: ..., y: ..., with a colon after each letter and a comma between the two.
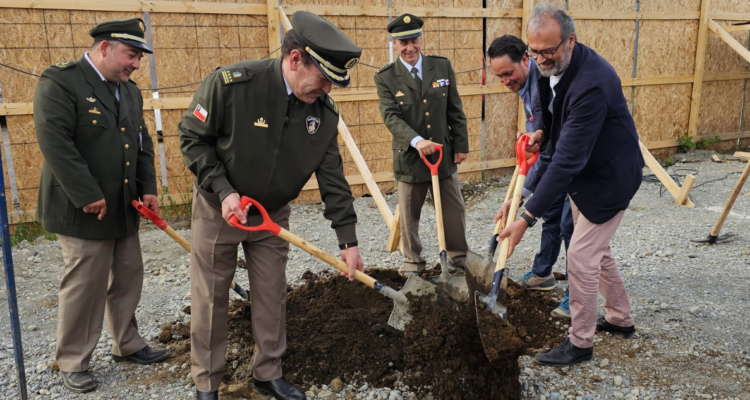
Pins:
x: 511, y: 187
x: 514, y: 205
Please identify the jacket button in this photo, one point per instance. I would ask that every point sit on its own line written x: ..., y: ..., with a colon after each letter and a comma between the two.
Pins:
x: 127, y: 164
x: 401, y: 103
x: 430, y: 137
x: 122, y: 129
x: 93, y: 122
x: 427, y: 114
x: 126, y: 181
x: 424, y: 101
x: 127, y: 146
x: 428, y: 127
x: 443, y: 94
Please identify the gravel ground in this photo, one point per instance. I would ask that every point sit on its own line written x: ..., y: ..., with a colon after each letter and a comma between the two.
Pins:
x: 690, y: 301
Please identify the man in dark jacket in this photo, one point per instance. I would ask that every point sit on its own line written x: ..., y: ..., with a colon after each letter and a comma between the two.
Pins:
x: 98, y: 157
x: 590, y: 134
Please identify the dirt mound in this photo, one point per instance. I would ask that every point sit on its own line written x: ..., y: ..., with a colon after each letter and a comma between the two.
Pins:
x: 336, y: 328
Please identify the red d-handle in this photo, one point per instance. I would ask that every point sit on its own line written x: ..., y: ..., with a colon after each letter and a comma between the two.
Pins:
x: 149, y: 214
x: 434, y: 167
x: 524, y: 162
x: 267, y: 224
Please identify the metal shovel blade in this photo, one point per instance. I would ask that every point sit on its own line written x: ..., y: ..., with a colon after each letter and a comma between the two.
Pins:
x: 713, y: 239
x: 416, y: 287
x: 479, y: 270
x: 453, y: 284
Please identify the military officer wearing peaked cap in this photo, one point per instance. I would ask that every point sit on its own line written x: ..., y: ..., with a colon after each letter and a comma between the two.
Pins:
x: 261, y: 128
x: 421, y: 107
x: 98, y: 157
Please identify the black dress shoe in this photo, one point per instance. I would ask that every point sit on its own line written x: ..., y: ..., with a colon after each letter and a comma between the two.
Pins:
x: 566, y: 354
x: 280, y: 389
x: 206, y: 395
x: 603, y: 325
x: 146, y: 355
x: 80, y: 382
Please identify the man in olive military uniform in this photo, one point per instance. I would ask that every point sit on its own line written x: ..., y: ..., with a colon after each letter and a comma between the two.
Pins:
x: 260, y: 129
x: 98, y: 157
x: 421, y: 107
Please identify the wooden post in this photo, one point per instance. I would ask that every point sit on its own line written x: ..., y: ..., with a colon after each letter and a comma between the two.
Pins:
x: 394, y: 239
x: 730, y: 202
x: 527, y: 5
x: 698, y: 75
x: 731, y: 41
x: 274, y: 36
x: 660, y: 173
x: 685, y: 191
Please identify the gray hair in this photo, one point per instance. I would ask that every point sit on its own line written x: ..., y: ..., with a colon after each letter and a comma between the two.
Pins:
x: 543, y: 11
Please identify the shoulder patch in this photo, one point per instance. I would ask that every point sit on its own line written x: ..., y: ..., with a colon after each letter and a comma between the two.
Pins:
x: 64, y: 64
x: 234, y: 75
x: 384, y: 67
x: 328, y: 100
x: 437, y: 56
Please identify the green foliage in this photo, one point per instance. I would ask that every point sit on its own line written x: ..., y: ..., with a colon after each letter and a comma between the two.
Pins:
x: 29, y: 231
x: 707, y: 142
x: 668, y: 162
x: 686, y: 143
x: 180, y: 210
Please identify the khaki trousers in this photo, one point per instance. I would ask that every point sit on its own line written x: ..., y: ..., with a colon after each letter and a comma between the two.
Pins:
x: 213, y: 263
x: 591, y: 269
x: 411, y: 198
x: 101, y: 277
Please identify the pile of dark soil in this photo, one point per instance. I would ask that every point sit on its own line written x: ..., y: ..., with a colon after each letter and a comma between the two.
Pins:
x: 338, y: 329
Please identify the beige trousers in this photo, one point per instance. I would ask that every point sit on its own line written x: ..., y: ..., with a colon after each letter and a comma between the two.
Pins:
x: 101, y: 277
x: 213, y: 263
x: 411, y: 198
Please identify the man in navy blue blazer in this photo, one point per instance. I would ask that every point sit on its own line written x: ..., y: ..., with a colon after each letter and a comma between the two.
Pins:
x: 586, y: 127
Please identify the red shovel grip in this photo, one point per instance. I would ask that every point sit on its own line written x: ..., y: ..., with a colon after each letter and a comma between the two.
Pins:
x: 524, y: 162
x: 149, y: 214
x: 267, y: 225
x: 434, y: 167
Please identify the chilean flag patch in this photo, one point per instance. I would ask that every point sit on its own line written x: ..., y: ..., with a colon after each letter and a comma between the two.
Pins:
x: 200, y: 113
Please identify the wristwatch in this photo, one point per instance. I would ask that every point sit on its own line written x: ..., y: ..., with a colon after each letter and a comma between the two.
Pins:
x: 528, y: 219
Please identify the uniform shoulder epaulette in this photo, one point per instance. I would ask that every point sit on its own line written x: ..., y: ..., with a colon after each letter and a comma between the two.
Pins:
x: 384, y: 67
x: 234, y: 75
x: 328, y: 100
x: 437, y: 56
x: 64, y: 64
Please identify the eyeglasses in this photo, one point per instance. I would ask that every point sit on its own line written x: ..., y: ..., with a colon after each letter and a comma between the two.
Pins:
x: 533, y: 54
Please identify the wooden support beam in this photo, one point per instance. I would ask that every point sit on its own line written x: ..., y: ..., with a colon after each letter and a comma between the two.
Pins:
x: 195, y: 7
x: 394, y: 238
x: 731, y: 41
x: 698, y: 75
x: 374, y: 11
x: 737, y: 28
x: 730, y: 16
x: 742, y: 155
x: 730, y: 202
x: 274, y: 35
x: 682, y: 197
x: 660, y: 173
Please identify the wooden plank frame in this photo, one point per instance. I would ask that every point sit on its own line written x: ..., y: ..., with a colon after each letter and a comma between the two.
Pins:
x: 732, y: 42
x: 700, y: 54
x: 673, y: 188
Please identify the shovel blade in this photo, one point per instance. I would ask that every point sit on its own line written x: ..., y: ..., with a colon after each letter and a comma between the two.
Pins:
x: 416, y: 287
x: 713, y: 239
x: 491, y: 305
x: 453, y: 284
x: 479, y: 271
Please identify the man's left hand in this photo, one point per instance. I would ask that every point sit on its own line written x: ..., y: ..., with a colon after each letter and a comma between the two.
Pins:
x: 458, y: 158
x: 515, y: 231
x: 151, y: 202
x: 353, y: 260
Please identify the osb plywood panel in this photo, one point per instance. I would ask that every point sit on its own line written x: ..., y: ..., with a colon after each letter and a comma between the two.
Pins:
x: 720, y: 58
x: 21, y: 129
x: 613, y: 40
x: 662, y: 43
x: 662, y: 112
x: 169, y: 121
x: 735, y: 6
x: 504, y: 4
x: 601, y: 5
x: 720, y: 107
x: 27, y: 163
x: 670, y: 5
x: 497, y: 27
x: 501, y: 120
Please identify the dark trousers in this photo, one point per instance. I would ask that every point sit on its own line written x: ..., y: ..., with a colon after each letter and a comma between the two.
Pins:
x: 556, y: 229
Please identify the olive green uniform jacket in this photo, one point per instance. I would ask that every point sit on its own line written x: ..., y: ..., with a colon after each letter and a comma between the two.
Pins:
x: 433, y: 112
x: 242, y: 133
x: 92, y: 151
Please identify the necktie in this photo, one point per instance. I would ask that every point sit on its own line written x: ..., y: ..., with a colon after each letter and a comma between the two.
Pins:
x: 415, y: 71
x: 112, y: 86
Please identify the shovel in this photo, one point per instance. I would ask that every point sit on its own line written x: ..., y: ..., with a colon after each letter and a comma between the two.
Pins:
x: 492, y: 339
x: 400, y: 316
x: 479, y: 269
x: 177, y: 238
x: 453, y: 284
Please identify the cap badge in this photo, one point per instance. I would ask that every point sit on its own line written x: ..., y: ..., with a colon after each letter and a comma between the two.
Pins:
x: 261, y: 123
x: 399, y: 94
x: 91, y: 99
x: 94, y: 111
x: 312, y: 125
x: 407, y: 19
x: 143, y: 28
x: 351, y: 63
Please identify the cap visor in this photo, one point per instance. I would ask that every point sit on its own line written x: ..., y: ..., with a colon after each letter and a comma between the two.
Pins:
x: 137, y: 45
x: 336, y: 82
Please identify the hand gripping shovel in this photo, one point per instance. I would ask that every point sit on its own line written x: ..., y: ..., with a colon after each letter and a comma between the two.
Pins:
x: 479, y: 269
x: 500, y: 280
x: 454, y: 285
x: 177, y: 237
x: 400, y: 315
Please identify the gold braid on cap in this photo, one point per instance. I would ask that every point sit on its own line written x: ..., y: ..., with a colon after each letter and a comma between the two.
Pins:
x: 404, y: 33
x: 129, y: 37
x: 325, y: 62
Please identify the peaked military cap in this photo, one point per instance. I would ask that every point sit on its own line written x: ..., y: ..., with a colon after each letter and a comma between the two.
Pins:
x: 130, y: 31
x: 330, y: 49
x: 406, y: 26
